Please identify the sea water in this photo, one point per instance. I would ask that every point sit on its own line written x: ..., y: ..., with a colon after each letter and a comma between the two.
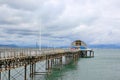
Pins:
x: 104, y: 66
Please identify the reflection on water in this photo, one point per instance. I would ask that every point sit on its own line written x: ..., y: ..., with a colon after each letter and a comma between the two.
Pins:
x: 58, y: 73
x: 104, y: 66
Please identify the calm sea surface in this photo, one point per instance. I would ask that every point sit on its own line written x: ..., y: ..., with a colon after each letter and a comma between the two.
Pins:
x: 104, y: 66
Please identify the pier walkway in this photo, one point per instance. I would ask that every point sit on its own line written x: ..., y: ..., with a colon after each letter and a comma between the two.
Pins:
x: 12, y: 58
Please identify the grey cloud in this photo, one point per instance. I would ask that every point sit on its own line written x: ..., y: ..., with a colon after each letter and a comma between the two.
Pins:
x: 21, y: 32
x: 29, y: 5
x: 92, y: 21
x: 10, y: 16
x: 3, y: 22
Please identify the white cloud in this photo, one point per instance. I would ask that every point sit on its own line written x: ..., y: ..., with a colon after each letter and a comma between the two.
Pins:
x: 61, y: 21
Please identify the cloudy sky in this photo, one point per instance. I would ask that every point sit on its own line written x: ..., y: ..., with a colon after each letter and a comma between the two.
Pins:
x: 59, y: 22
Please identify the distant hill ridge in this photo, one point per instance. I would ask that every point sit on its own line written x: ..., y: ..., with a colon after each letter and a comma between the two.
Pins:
x: 9, y: 45
x: 45, y: 46
x: 104, y: 46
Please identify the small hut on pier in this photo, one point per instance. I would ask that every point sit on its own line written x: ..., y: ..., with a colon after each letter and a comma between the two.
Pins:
x: 78, y: 44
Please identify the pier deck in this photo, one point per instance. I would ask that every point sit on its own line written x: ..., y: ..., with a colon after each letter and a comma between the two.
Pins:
x: 12, y: 58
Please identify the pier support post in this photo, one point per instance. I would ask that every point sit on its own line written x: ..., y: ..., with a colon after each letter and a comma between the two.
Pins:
x: 93, y: 54
x: 55, y: 61
x: 8, y: 74
x: 60, y: 60
x: 9, y: 71
x: 67, y: 59
x: 51, y: 63
x: 86, y: 53
x: 32, y: 70
x: 47, y: 64
x: 0, y: 76
x: 34, y: 67
x: 90, y: 53
x: 0, y: 71
x: 25, y: 72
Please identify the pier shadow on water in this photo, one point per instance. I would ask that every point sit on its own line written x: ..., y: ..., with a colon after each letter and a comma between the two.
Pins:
x: 58, y: 73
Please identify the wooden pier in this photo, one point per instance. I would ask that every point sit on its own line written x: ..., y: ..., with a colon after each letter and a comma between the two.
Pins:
x: 13, y: 58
